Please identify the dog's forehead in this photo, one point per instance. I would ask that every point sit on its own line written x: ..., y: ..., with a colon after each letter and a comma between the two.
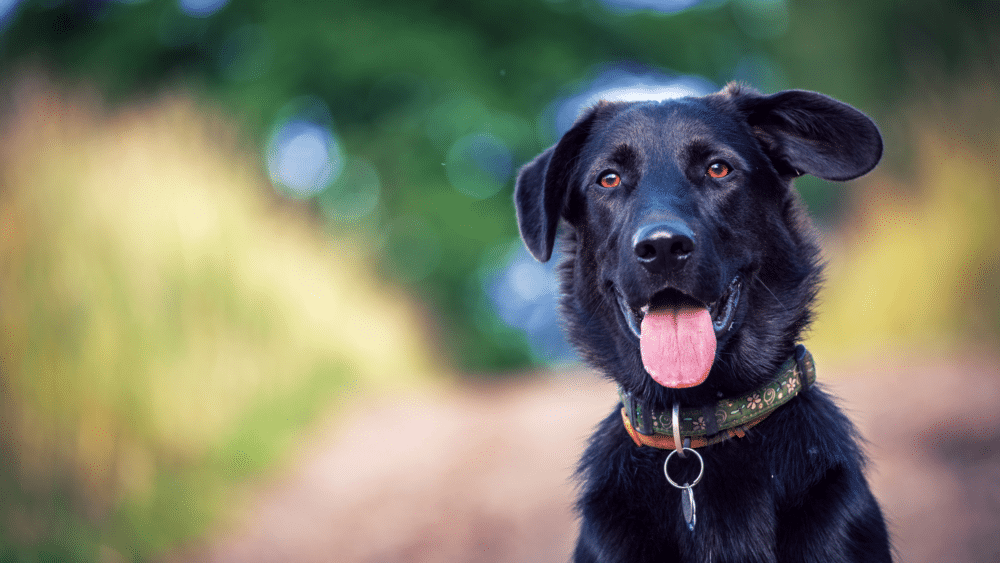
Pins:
x: 677, y: 121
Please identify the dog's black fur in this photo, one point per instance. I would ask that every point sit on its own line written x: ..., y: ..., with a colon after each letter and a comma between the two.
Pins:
x: 793, y: 488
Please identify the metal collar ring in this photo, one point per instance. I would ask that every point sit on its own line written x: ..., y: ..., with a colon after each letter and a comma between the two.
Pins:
x: 701, y: 469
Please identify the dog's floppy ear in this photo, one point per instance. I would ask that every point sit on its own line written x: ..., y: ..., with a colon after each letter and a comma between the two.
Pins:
x: 809, y: 133
x: 542, y: 188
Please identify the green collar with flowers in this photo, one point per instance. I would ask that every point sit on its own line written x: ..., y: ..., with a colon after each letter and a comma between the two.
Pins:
x: 727, y: 416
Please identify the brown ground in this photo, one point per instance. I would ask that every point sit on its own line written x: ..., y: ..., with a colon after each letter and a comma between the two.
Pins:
x: 481, y: 473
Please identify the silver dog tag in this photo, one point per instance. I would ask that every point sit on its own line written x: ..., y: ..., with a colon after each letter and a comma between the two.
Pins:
x: 687, y: 494
x: 687, y: 506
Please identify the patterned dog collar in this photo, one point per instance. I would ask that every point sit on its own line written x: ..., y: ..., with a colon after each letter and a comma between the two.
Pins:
x: 726, y: 418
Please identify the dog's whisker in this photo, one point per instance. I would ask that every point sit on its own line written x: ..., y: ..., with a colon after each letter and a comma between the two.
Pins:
x: 764, y: 285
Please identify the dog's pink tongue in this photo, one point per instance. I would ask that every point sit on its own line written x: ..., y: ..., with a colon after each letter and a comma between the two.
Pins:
x: 677, y: 345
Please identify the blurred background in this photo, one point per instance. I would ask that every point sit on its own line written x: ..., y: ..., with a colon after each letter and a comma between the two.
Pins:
x: 261, y: 289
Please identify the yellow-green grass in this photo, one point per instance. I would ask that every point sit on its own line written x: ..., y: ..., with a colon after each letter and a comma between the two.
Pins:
x: 168, y: 325
x: 917, y: 266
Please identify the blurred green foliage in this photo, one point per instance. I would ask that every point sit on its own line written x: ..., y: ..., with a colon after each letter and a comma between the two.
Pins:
x: 405, y: 80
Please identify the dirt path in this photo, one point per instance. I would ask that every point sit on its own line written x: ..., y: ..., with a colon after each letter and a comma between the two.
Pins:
x: 482, y: 473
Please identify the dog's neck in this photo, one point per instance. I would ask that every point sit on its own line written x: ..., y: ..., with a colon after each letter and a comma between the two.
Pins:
x: 727, y: 418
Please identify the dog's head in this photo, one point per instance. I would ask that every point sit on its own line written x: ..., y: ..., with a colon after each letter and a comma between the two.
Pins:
x: 689, y: 263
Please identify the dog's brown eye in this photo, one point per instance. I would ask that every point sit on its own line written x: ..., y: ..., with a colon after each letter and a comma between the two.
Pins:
x: 719, y: 169
x: 609, y: 180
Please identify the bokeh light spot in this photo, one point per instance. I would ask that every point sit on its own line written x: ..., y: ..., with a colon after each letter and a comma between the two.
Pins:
x: 201, y: 8
x: 454, y: 117
x: 618, y: 84
x: 478, y: 165
x: 662, y: 6
x: 7, y: 8
x: 524, y: 293
x: 302, y: 158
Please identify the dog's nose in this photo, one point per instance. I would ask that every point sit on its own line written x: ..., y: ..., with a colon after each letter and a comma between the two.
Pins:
x: 663, y: 247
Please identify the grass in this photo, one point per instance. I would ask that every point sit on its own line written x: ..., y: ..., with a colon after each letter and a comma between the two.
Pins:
x: 168, y: 325
x: 918, y: 264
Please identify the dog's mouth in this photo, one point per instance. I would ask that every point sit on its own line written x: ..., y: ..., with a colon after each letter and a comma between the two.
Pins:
x: 721, y: 311
x: 678, y: 334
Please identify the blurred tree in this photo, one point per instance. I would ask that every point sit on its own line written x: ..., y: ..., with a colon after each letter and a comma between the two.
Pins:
x: 405, y: 83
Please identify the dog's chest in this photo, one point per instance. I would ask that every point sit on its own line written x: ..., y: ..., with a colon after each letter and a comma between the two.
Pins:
x: 734, y: 508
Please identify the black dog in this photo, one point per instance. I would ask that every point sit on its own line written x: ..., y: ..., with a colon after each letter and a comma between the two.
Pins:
x: 690, y: 273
